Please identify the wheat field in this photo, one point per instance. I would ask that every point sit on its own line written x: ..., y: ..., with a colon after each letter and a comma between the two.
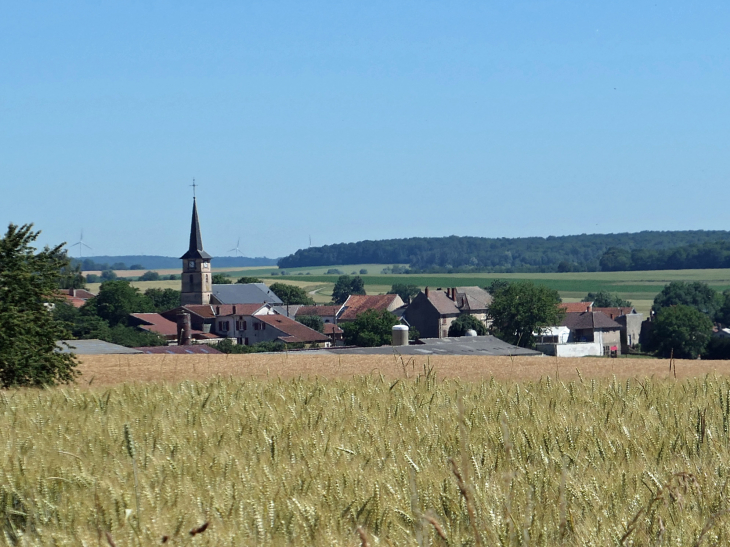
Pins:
x: 368, y: 460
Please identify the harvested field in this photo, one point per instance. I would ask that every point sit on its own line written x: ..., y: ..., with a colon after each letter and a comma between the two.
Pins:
x: 115, y: 369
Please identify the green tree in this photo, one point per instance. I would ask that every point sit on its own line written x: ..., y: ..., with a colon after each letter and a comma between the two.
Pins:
x: 84, y: 327
x: 312, y: 321
x: 70, y: 276
x: 93, y: 278
x: 363, y: 271
x: 465, y: 322
x: 371, y: 328
x: 345, y: 286
x: 605, y: 299
x: 115, y: 301
x: 28, y: 331
x: 696, y: 294
x: 149, y: 276
x: 681, y: 328
x: 291, y: 294
x: 163, y: 299
x: 221, y: 279
x: 522, y: 308
x: 246, y: 279
x: 616, y: 260
x: 723, y: 314
x: 108, y: 275
x: 405, y: 291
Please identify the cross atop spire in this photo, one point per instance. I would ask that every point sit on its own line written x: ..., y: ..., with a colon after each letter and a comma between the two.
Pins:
x: 196, y: 240
x: 194, y: 187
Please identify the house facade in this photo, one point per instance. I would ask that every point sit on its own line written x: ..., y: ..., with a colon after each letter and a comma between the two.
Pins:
x: 595, y: 327
x: 432, y: 312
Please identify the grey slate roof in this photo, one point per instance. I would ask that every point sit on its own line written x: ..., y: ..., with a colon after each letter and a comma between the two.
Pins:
x: 473, y: 298
x: 465, y: 345
x: 288, y: 311
x: 589, y: 320
x: 93, y: 347
x: 196, y: 240
x: 248, y: 293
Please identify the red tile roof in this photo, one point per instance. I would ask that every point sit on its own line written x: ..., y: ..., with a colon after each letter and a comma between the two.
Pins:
x: 321, y: 311
x: 154, y: 322
x: 330, y: 328
x: 613, y: 313
x: 180, y: 350
x: 576, y: 307
x: 294, y: 331
x: 359, y: 303
x: 209, y: 311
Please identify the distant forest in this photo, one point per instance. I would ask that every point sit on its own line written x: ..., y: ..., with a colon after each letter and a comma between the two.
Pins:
x: 698, y: 256
x: 144, y: 262
x: 642, y: 251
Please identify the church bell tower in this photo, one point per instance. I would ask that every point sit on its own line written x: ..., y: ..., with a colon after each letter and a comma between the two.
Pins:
x: 197, y: 284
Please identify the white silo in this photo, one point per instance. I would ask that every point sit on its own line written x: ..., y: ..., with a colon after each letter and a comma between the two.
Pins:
x: 400, y: 335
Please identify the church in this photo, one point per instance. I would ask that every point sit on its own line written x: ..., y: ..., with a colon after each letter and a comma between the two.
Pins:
x: 197, y: 278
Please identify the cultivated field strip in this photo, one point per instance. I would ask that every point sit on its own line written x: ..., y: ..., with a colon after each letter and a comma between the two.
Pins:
x: 368, y: 461
x: 114, y: 369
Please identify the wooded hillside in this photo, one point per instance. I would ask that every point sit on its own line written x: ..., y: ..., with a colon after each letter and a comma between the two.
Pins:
x: 465, y: 254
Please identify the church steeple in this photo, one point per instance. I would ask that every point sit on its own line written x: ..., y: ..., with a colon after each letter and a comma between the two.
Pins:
x: 196, y: 240
x: 197, y: 285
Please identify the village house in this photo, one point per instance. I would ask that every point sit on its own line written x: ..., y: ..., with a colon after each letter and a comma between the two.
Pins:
x: 76, y: 297
x: 630, y: 322
x: 432, y: 312
x: 591, y: 333
x: 169, y: 329
x: 626, y: 316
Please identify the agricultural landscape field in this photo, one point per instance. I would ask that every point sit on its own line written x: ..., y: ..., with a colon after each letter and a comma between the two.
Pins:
x: 299, y: 449
x: 640, y: 287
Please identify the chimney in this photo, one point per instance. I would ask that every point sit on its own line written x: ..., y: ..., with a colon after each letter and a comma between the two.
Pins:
x: 183, y: 328
x: 453, y: 294
x: 234, y: 309
x: 426, y: 292
x: 448, y: 292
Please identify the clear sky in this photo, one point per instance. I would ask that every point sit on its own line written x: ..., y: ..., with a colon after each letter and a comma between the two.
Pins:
x: 361, y: 120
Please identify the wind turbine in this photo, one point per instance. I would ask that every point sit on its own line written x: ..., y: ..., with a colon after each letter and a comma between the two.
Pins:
x: 81, y: 245
x: 236, y: 249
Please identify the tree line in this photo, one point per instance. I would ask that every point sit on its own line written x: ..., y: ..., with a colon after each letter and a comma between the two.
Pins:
x: 467, y: 254
x: 713, y: 254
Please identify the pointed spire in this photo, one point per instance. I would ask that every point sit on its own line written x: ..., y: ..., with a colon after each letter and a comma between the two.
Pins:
x: 196, y: 241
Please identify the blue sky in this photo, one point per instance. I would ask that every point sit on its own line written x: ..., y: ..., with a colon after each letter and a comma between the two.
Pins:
x: 361, y: 120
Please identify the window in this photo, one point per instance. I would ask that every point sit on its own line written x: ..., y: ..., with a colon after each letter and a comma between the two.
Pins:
x: 606, y: 350
x: 256, y: 326
x: 240, y: 341
x: 263, y: 326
